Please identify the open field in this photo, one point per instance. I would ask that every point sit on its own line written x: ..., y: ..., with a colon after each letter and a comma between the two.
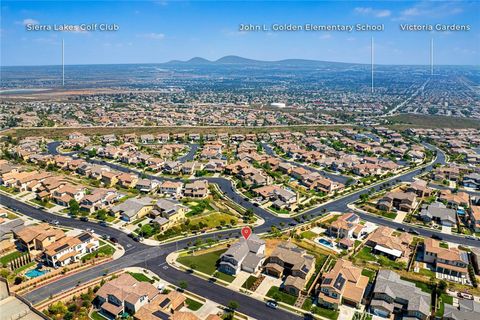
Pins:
x: 405, y: 121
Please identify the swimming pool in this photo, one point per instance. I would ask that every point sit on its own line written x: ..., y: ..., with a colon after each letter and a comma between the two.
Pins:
x: 325, y: 242
x: 35, y: 273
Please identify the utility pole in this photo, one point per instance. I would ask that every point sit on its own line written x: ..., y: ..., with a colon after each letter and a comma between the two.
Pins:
x: 63, y: 63
x: 371, y: 61
x: 431, y: 57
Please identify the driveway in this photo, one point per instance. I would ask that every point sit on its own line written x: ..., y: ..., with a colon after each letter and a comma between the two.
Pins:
x: 240, y: 279
x: 267, y: 283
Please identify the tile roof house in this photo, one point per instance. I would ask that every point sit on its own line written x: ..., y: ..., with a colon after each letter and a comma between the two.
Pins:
x: 291, y: 261
x: 454, y: 200
x: 37, y: 237
x: 403, y: 201
x: 448, y: 261
x: 344, y: 283
x: 383, y: 241
x: 124, y: 294
x: 245, y: 255
x: 70, y: 249
x: 172, y: 188
x: 475, y: 218
x: 392, y: 295
x: 344, y: 226
x: 196, y: 189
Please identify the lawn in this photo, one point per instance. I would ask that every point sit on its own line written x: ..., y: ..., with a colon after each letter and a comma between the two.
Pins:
x: 9, y: 257
x: 214, y: 220
x: 206, y: 263
x: 95, y: 316
x: 193, y: 304
x: 140, y: 277
x: 103, y: 251
x: 421, y: 285
x: 327, y: 313
x: 369, y: 273
x: 308, y: 234
x: 365, y: 254
x: 223, y: 276
x: 277, y: 294
x: 47, y: 204
x: 249, y: 282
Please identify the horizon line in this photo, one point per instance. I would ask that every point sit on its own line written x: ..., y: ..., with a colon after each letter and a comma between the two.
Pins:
x: 213, y: 61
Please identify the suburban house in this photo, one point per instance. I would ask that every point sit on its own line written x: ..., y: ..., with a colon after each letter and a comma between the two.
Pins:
x: 454, y: 200
x: 124, y: 294
x: 293, y: 262
x: 472, y: 180
x: 196, y: 189
x: 99, y: 199
x: 451, y: 262
x: 70, y: 249
x: 168, y: 212
x: 466, y: 310
x: 393, y: 295
x: 165, y: 306
x: 171, y: 188
x: 246, y: 255
x: 420, y: 188
x: 146, y: 185
x: 344, y: 226
x: 475, y: 218
x: 439, y: 213
x: 133, y: 208
x: 403, y: 201
x: 383, y: 241
x: 344, y: 283
x: 37, y: 237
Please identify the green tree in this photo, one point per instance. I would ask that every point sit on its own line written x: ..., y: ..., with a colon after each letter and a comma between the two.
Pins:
x: 74, y: 207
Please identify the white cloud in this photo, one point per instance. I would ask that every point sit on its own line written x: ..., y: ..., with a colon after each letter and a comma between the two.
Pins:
x: 29, y: 21
x: 379, y: 13
x: 154, y: 36
x: 430, y: 10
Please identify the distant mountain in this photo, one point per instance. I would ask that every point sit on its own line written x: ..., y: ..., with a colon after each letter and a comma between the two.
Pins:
x: 236, y: 60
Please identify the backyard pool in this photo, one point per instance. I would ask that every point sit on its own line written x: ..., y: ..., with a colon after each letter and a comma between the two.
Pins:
x: 325, y: 242
x: 35, y: 273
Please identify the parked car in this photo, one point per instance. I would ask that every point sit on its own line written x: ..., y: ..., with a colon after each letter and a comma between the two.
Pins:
x: 54, y: 222
x: 85, y: 219
x: 114, y: 240
x: 465, y: 295
x: 436, y: 237
x: 401, y: 229
x: 272, y: 304
x: 413, y: 231
x: 103, y: 223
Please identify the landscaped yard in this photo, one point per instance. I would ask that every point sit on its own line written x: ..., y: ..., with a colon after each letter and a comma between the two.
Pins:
x: 140, y: 277
x: 214, y: 220
x: 9, y: 257
x: 224, y: 276
x: 206, y: 263
x: 44, y: 204
x: 366, y: 255
x: 277, y: 294
x: 193, y: 304
x: 249, y: 282
x: 103, y: 251
x: 308, y: 234
x: 369, y: 273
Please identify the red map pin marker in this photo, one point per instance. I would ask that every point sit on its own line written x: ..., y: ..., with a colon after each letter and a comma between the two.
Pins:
x: 246, y: 232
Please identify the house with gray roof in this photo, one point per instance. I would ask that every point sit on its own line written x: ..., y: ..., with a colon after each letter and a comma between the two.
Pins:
x: 246, y: 255
x: 466, y: 310
x: 439, y: 213
x: 133, y: 208
x: 393, y: 295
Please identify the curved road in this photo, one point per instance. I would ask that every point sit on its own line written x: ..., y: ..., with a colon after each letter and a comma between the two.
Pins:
x: 154, y: 258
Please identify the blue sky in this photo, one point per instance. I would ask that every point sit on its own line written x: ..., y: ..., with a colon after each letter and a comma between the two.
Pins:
x: 159, y: 31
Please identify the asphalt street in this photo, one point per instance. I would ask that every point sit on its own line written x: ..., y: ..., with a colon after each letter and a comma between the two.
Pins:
x: 154, y: 258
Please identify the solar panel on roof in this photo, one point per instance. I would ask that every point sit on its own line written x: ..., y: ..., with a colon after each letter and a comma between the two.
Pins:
x: 161, y: 315
x: 165, y: 303
x: 84, y: 237
x: 339, y: 282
